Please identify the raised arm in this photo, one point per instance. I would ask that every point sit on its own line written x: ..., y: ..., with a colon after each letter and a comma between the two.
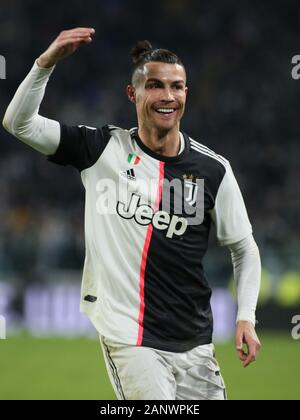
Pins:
x: 22, y: 117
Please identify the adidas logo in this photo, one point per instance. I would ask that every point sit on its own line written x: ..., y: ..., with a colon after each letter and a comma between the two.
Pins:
x: 129, y: 175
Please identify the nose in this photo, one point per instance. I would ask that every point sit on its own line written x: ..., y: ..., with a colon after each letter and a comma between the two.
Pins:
x: 168, y: 95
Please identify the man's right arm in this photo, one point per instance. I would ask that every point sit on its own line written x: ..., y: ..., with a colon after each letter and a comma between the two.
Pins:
x: 21, y: 118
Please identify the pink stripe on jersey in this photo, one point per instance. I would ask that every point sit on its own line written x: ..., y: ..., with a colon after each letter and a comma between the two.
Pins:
x: 145, y: 255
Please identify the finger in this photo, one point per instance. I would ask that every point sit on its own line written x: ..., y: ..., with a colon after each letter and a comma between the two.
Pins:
x: 240, y: 349
x: 242, y: 355
x: 83, y: 29
x: 251, y: 353
x: 85, y: 40
x: 68, y: 37
x: 74, y: 40
x: 78, y: 32
x: 252, y: 347
x: 239, y: 342
x: 79, y: 43
x: 250, y: 359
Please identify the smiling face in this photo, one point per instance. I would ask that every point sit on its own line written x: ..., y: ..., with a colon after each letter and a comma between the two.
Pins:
x: 159, y: 92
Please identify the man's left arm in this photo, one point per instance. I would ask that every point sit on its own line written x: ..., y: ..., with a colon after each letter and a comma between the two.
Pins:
x: 234, y: 230
x: 247, y: 273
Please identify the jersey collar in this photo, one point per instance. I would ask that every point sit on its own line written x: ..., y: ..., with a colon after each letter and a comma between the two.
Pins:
x: 136, y: 137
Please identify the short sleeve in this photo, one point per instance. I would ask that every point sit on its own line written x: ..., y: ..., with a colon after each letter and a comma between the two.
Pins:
x: 80, y: 146
x: 229, y: 213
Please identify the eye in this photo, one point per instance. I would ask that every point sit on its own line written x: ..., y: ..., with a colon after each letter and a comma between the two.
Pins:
x: 154, y: 85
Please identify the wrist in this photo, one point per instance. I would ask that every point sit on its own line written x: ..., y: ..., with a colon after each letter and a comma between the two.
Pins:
x: 44, y: 63
x: 245, y: 322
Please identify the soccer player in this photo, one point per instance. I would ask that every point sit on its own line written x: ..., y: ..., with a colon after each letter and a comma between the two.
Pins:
x: 144, y: 287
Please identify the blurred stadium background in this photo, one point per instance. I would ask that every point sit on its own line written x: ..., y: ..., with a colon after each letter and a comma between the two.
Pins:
x: 243, y: 103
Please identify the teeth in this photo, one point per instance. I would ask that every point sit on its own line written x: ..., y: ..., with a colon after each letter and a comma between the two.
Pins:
x: 165, y: 110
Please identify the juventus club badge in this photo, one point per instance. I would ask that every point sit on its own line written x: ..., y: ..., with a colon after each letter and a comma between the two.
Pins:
x: 191, y: 188
x: 191, y: 192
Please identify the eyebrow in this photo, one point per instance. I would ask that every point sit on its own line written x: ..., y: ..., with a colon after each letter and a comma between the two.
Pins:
x: 159, y: 81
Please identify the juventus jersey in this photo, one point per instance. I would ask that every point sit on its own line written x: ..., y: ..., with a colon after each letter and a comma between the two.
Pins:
x: 143, y: 279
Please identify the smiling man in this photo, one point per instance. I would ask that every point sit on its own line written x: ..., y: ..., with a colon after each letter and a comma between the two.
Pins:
x: 144, y: 286
x: 159, y: 115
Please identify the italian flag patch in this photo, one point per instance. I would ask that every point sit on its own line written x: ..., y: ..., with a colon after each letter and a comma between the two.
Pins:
x: 134, y: 159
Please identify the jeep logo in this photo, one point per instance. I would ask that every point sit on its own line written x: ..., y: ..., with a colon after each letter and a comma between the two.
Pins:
x: 144, y: 215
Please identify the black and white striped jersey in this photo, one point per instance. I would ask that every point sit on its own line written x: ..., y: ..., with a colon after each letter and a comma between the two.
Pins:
x: 143, y: 280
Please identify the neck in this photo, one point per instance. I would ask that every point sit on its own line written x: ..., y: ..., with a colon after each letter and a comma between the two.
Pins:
x: 164, y: 143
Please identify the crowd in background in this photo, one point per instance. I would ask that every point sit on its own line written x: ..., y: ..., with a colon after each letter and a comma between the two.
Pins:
x: 243, y: 103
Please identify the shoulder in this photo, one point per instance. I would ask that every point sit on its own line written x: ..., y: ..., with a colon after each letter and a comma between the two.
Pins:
x: 104, y: 131
x: 204, y: 153
x: 116, y: 133
x: 98, y: 137
x: 114, y: 130
x: 82, y: 145
x: 212, y: 166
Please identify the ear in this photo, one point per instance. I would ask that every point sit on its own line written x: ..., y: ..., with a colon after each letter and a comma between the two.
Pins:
x: 131, y: 93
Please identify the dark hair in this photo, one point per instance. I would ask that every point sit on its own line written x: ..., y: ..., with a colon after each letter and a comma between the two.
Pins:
x: 143, y: 53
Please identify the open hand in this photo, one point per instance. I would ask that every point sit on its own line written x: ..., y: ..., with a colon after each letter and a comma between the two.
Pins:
x: 64, y: 45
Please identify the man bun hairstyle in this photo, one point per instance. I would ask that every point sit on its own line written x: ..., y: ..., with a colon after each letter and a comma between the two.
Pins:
x: 140, y: 49
x: 143, y: 53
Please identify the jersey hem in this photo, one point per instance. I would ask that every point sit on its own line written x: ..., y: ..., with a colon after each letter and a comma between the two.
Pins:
x: 178, y: 347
